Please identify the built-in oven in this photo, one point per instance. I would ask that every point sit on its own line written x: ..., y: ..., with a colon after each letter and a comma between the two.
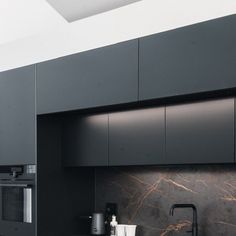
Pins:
x: 17, y: 201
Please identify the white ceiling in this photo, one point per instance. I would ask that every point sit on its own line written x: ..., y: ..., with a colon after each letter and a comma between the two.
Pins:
x: 73, y: 10
x: 22, y: 18
x: 32, y: 31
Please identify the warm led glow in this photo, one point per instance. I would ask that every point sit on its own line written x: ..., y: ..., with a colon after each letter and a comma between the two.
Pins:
x: 126, y: 117
x: 95, y: 120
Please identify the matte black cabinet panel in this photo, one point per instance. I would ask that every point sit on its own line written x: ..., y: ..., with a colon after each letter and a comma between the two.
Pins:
x: 85, y: 141
x: 200, y: 132
x: 17, y: 117
x: 16, y: 229
x: 137, y: 137
x: 99, y: 77
x: 63, y: 194
x: 196, y: 58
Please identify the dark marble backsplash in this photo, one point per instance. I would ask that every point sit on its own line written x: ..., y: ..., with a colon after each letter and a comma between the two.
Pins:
x: 145, y: 194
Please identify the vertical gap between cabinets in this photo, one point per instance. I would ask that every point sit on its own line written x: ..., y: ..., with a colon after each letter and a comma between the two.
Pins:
x: 36, y: 150
x: 234, y: 130
x: 108, y: 138
x: 95, y: 189
x: 165, y: 134
x: 138, y: 66
x: 35, y: 109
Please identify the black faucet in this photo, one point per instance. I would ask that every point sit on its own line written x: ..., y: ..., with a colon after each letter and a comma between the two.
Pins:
x: 194, y: 230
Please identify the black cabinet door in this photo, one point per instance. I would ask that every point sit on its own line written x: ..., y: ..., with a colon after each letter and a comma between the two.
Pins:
x: 99, y: 77
x: 196, y: 58
x: 17, y: 116
x: 200, y: 132
x: 137, y: 137
x: 85, y: 141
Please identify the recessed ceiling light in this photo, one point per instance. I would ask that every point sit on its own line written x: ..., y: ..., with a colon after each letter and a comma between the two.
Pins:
x: 73, y: 10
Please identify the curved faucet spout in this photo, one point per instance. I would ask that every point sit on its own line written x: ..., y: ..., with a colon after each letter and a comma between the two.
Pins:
x: 194, y: 223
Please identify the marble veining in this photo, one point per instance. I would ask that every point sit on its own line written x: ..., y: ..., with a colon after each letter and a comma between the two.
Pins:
x: 145, y: 194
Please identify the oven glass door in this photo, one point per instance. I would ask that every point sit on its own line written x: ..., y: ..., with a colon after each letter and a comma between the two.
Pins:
x: 16, y: 202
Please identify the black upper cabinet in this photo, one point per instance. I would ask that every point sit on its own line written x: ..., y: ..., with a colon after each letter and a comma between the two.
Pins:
x: 85, y: 141
x: 17, y: 116
x: 137, y: 137
x: 196, y: 58
x: 200, y: 132
x: 99, y: 77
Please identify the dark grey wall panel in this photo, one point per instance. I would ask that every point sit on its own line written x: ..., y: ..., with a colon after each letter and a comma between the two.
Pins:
x: 16, y: 228
x: 63, y: 194
x: 103, y: 76
x: 85, y: 141
x: 137, y: 137
x: 196, y: 58
x: 200, y: 132
x: 17, y: 116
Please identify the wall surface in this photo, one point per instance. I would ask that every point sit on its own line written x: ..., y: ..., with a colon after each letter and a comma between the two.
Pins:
x: 136, y: 20
x: 145, y: 195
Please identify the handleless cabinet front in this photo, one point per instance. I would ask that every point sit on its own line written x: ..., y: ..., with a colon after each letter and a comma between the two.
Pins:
x: 85, y: 140
x: 201, y: 132
x: 100, y: 77
x: 193, y: 59
x: 17, y: 116
x: 137, y: 137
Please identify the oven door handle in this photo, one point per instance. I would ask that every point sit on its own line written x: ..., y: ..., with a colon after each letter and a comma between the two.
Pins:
x: 14, y: 185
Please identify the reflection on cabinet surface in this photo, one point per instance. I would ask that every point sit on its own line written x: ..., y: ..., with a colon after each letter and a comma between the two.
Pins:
x: 137, y: 137
x: 201, y: 132
x: 85, y: 141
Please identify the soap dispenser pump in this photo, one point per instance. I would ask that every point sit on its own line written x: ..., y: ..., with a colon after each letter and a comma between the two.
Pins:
x: 113, y: 225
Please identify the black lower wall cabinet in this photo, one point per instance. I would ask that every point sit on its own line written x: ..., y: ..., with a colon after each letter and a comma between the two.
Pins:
x: 192, y: 133
x: 85, y: 140
x: 137, y: 137
x: 200, y: 132
x: 125, y: 104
